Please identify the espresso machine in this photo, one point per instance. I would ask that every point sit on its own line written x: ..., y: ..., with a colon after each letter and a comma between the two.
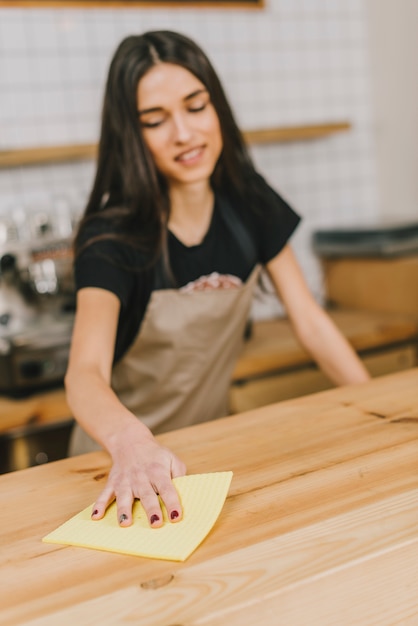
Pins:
x: 37, y: 299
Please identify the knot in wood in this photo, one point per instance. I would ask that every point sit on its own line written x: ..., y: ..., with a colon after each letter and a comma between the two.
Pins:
x: 156, y: 583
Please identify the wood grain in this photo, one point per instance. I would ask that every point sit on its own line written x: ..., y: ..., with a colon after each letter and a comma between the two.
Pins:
x: 52, y: 154
x: 320, y: 526
x: 272, y: 348
x: 346, y: 551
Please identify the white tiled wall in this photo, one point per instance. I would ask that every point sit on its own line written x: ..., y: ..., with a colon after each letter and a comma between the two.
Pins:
x: 293, y: 62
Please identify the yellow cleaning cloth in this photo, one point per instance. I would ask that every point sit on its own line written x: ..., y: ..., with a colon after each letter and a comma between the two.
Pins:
x: 202, y: 497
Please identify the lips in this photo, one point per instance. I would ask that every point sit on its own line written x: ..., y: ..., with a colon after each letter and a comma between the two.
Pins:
x: 190, y: 156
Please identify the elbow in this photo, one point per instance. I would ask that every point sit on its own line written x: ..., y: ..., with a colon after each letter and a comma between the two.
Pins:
x: 73, y: 377
x: 81, y: 375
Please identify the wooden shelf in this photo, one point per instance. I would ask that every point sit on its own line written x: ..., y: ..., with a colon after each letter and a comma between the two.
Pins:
x: 80, y: 152
x: 139, y: 4
x: 47, y: 154
x: 283, y: 134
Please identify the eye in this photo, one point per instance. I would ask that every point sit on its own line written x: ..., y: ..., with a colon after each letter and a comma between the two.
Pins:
x: 152, y: 119
x: 151, y: 124
x: 196, y: 108
x: 198, y: 103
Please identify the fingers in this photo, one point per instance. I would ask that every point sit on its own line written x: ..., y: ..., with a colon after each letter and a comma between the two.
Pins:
x: 151, y: 504
x: 169, y: 496
x: 124, y: 501
x: 178, y: 468
x: 151, y: 483
x: 106, y: 498
x: 162, y: 485
x: 149, y: 500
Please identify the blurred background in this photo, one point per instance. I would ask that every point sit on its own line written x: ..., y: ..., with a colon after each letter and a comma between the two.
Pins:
x: 287, y: 63
x: 292, y: 62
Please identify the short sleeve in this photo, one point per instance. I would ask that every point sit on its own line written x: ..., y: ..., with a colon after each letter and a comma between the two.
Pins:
x: 274, y: 223
x: 104, y: 264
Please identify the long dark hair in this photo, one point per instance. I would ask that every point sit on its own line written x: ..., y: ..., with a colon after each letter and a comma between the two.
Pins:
x: 128, y: 189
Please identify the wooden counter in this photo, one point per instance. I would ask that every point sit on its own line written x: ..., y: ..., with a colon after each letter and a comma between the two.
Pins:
x: 320, y: 526
x: 37, y: 410
x: 272, y: 349
x: 274, y: 367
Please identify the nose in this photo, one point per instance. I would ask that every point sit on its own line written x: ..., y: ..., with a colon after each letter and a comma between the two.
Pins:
x: 182, y: 130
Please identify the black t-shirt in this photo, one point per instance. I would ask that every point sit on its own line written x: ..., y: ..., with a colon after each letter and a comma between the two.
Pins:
x: 109, y: 264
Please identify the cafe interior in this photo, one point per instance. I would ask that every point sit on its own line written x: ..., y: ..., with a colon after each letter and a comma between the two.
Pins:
x: 325, y: 93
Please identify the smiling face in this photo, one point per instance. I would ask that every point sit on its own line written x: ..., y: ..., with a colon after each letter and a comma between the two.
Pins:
x: 179, y: 124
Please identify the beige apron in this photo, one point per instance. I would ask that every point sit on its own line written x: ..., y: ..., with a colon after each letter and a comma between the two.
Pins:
x: 178, y: 370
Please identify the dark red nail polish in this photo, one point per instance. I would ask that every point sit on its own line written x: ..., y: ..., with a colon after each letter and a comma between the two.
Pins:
x: 95, y: 512
x: 174, y: 514
x: 123, y: 518
x: 154, y: 518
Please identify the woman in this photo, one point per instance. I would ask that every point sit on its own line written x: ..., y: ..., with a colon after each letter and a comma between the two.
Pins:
x: 167, y: 254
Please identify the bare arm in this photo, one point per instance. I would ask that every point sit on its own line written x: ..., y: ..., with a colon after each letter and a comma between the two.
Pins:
x: 141, y: 467
x: 312, y: 325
